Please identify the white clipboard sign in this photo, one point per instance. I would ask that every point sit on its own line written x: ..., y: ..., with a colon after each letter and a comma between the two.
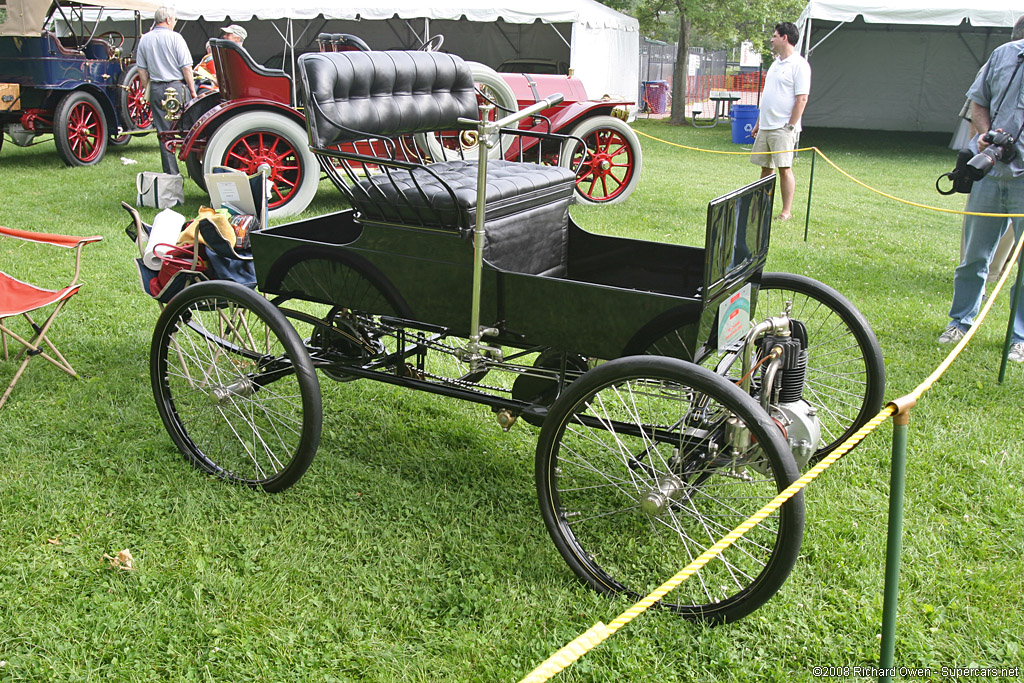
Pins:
x: 231, y: 188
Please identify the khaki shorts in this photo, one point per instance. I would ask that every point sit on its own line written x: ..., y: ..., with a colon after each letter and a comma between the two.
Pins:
x: 775, y: 140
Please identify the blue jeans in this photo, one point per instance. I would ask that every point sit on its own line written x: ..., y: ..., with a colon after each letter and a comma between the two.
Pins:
x: 981, y: 236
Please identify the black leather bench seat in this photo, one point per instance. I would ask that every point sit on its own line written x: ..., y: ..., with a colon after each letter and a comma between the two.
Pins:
x: 358, y: 96
x: 418, y: 197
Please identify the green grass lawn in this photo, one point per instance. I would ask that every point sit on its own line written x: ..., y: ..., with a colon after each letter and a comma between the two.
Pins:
x: 413, y: 549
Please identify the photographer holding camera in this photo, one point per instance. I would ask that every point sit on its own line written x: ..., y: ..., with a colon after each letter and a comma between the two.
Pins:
x: 997, y: 107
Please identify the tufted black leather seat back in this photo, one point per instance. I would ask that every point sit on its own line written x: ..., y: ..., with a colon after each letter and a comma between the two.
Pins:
x: 355, y: 95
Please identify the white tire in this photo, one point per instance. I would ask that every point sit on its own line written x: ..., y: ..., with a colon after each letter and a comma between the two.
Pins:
x: 273, y: 139
x: 610, y: 169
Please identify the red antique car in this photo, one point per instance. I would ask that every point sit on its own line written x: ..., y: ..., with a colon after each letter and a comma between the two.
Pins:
x: 254, y: 119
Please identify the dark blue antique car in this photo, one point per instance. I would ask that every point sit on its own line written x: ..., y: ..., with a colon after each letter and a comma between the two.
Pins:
x: 58, y: 76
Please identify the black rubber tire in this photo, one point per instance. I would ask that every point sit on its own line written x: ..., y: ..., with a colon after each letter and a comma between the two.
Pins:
x: 119, y: 140
x: 591, y: 505
x: 80, y: 129
x: 609, y: 141
x: 213, y: 344
x: 295, y: 178
x: 194, y: 168
x: 846, y: 396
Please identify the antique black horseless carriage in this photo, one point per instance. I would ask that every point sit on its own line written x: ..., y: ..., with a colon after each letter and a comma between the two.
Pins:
x: 469, y: 279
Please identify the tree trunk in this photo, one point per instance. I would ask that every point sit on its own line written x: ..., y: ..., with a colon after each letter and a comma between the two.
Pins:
x: 679, y: 73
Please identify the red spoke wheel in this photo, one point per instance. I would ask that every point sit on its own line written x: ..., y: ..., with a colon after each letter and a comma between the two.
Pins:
x: 134, y: 109
x: 80, y: 129
x: 247, y: 141
x: 608, y: 169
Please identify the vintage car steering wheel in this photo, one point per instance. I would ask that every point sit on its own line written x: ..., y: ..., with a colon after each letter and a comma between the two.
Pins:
x: 432, y: 44
x: 115, y: 39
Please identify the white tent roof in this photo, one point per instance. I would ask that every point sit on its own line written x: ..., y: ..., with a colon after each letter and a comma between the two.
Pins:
x: 589, y: 13
x: 930, y: 12
x: 600, y: 44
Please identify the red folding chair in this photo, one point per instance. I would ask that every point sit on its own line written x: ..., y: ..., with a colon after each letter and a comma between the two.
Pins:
x: 19, y: 298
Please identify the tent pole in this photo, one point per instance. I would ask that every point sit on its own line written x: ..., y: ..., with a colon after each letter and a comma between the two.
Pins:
x: 291, y: 49
x: 812, y: 49
x: 501, y: 31
x: 810, y: 191
x: 559, y: 34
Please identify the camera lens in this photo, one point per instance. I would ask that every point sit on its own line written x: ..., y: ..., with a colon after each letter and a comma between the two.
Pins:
x: 981, y: 163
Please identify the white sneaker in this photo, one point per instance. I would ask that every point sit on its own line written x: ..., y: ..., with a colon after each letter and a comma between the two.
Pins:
x: 951, y: 335
x: 1016, y: 352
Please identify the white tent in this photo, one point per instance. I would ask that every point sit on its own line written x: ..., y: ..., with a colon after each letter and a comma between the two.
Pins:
x: 601, y: 45
x: 897, y: 64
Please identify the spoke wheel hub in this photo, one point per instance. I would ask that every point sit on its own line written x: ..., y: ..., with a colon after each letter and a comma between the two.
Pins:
x: 240, y: 388
x: 657, y: 501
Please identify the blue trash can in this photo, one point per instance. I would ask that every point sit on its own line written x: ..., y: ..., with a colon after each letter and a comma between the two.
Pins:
x: 744, y: 118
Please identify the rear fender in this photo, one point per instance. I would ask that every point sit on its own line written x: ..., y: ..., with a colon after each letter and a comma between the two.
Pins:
x: 195, y: 139
x: 563, y: 119
x: 53, y: 98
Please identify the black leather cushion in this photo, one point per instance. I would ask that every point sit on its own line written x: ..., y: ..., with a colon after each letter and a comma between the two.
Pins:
x: 354, y: 95
x: 535, y: 241
x: 417, y: 197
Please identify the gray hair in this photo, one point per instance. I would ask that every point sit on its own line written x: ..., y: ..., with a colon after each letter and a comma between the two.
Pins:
x: 163, y: 14
x: 1018, y: 29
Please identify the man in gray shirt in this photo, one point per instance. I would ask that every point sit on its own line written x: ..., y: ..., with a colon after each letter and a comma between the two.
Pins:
x: 164, y: 62
x: 997, y: 104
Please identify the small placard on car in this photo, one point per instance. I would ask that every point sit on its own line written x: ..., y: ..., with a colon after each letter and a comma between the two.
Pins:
x: 10, y: 97
x: 734, y: 318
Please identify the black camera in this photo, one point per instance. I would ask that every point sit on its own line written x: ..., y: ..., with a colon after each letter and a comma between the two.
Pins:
x: 1002, y: 147
x: 959, y: 181
x: 971, y: 167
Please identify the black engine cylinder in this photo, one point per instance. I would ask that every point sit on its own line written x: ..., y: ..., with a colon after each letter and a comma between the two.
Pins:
x: 790, y: 378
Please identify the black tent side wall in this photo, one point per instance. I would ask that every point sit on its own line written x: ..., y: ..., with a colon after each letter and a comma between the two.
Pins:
x: 894, y: 77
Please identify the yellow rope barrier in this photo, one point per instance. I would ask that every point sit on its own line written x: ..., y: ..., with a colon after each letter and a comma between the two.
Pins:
x: 600, y: 632
x: 716, y: 151
x: 842, y: 172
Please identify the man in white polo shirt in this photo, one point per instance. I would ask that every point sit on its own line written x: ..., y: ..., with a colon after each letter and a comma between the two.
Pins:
x: 782, y: 104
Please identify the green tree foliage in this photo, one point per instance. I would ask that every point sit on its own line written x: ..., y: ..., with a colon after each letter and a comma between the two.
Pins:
x: 708, y: 23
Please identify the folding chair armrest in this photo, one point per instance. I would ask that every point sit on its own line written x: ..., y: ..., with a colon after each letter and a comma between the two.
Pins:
x: 66, y: 241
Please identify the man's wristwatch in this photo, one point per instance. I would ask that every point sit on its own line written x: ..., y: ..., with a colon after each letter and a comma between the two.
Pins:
x: 789, y: 127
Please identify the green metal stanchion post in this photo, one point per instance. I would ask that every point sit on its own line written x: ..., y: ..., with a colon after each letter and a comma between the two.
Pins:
x: 894, y: 543
x: 1009, y: 325
x: 810, y: 191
